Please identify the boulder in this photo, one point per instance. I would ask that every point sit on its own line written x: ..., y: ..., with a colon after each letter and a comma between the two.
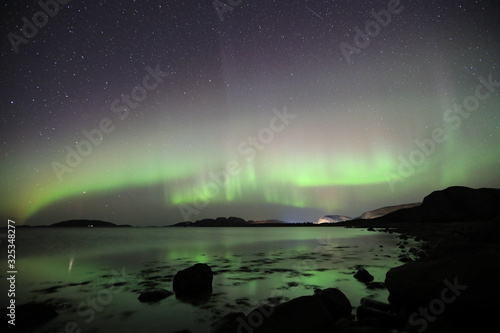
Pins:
x: 316, y: 313
x: 363, y: 275
x: 194, y: 280
x: 455, y: 284
x: 335, y: 301
x: 375, y: 285
x: 154, y: 295
x: 300, y: 315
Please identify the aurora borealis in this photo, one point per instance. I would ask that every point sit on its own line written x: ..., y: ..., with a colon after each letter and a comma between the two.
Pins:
x: 155, y: 112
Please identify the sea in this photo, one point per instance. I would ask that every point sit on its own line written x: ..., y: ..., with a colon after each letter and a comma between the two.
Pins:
x: 93, y: 276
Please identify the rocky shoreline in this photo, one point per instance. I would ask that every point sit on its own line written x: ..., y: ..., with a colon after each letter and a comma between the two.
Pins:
x: 445, y: 284
x: 450, y: 288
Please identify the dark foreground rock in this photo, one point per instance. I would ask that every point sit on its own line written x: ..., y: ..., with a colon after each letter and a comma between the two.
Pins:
x: 228, y: 323
x: 455, y: 288
x: 28, y: 316
x: 363, y: 275
x: 316, y: 313
x: 194, y: 280
x: 335, y: 301
x: 154, y: 295
x: 379, y: 315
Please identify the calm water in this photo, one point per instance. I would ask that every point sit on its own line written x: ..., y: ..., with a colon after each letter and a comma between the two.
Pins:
x: 94, y: 276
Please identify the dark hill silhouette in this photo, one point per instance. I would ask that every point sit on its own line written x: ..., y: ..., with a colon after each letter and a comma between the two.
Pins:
x: 379, y: 212
x: 218, y: 222
x: 83, y: 224
x: 453, y: 204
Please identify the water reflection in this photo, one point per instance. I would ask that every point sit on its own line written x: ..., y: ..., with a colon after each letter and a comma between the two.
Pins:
x: 252, y: 266
x: 70, y: 266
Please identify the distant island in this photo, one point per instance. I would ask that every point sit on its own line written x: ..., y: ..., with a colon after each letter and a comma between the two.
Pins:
x: 232, y: 221
x: 86, y: 224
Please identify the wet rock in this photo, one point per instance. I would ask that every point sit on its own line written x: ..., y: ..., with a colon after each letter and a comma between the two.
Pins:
x: 363, y: 275
x: 315, y: 313
x: 193, y: 280
x: 154, y: 295
x: 405, y: 258
x: 299, y: 315
x: 375, y: 285
x: 377, y: 314
x: 336, y: 302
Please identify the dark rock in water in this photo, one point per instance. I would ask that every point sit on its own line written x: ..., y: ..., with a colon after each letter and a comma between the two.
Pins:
x: 335, y: 301
x: 405, y: 258
x: 228, y: 323
x: 453, y: 284
x: 375, y: 285
x: 363, y: 275
x: 193, y: 280
x: 299, y: 315
x: 317, y: 313
x: 197, y: 299
x: 154, y: 295
x: 28, y: 315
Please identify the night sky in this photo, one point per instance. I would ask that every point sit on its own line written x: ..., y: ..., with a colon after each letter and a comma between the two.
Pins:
x: 155, y: 112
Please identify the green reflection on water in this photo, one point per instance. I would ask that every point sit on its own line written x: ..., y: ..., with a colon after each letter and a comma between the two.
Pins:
x: 251, y: 267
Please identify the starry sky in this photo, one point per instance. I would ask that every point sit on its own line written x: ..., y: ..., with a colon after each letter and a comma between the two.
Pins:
x: 155, y: 112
